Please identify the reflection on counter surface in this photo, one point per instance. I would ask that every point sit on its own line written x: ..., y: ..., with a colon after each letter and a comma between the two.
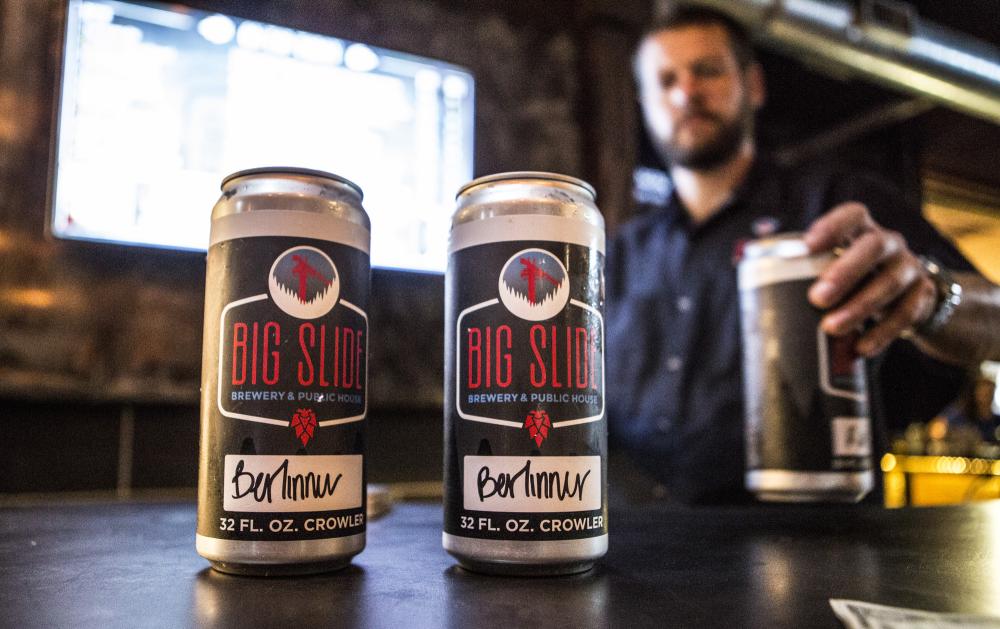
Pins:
x: 133, y: 565
x: 218, y: 598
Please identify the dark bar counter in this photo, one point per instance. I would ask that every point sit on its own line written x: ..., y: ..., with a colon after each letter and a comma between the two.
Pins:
x: 134, y: 565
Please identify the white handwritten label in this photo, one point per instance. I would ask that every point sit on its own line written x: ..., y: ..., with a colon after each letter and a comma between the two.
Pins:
x: 532, y: 484
x: 851, y: 436
x: 292, y: 483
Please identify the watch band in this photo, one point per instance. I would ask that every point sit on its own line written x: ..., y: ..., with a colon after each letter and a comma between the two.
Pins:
x: 949, y: 296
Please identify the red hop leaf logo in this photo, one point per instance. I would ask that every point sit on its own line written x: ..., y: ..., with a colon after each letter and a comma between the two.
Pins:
x: 538, y: 425
x: 304, y: 423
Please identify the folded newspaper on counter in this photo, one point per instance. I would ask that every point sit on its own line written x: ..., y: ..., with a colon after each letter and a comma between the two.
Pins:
x: 860, y: 615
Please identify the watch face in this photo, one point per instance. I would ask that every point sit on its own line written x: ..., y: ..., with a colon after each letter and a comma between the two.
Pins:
x: 949, y: 295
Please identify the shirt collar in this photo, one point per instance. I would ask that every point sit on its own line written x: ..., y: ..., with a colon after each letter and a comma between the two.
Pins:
x: 747, y: 194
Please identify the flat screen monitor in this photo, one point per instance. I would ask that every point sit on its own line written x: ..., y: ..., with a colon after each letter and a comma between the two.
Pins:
x: 159, y: 101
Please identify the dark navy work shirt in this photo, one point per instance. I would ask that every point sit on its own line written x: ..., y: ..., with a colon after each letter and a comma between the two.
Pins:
x: 675, y: 398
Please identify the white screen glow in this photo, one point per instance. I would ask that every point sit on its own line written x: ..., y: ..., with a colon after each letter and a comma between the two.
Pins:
x: 157, y: 106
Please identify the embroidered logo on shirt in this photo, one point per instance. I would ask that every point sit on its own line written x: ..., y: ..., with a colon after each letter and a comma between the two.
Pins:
x: 765, y: 226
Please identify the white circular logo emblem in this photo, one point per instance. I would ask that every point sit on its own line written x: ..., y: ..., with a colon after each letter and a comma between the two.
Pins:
x: 534, y: 285
x: 304, y: 282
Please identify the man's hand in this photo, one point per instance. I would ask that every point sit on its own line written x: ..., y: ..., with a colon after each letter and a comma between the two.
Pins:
x: 876, y: 272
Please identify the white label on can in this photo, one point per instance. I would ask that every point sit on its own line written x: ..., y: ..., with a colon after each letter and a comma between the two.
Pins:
x: 532, y: 484
x: 292, y: 483
x: 851, y: 436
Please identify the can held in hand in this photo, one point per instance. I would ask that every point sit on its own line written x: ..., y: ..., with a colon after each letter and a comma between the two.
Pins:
x: 808, y: 431
x: 281, y: 484
x: 525, y: 430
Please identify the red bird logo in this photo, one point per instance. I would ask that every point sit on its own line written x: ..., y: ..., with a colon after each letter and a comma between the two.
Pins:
x: 538, y: 426
x: 303, y: 270
x: 304, y: 423
x: 533, y: 272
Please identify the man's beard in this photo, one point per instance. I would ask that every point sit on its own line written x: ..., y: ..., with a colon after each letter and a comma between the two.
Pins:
x: 719, y: 149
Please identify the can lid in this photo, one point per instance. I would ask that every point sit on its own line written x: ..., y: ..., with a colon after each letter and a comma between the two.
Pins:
x: 786, y: 245
x: 527, y: 174
x: 293, y: 170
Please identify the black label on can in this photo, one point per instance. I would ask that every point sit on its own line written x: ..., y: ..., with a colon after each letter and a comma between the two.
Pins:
x: 806, y: 391
x: 284, y: 390
x: 525, y: 429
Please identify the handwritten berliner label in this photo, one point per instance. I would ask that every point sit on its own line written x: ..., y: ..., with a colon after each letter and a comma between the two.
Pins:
x: 532, y: 484
x: 257, y: 483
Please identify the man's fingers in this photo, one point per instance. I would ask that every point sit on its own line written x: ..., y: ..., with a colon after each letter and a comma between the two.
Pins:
x: 906, y: 313
x: 882, y: 289
x: 875, y: 276
x: 841, y: 224
x: 857, y: 261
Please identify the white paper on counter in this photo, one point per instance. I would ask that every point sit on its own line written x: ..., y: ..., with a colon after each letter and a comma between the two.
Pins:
x: 861, y: 615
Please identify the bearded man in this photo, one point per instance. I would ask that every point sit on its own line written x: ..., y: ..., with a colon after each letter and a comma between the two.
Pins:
x: 674, y: 348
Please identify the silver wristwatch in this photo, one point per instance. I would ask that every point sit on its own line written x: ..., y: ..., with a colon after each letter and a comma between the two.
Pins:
x: 949, y: 296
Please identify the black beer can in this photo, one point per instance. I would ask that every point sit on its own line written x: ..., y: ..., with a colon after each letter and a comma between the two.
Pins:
x: 525, y: 430
x: 808, y: 431
x: 281, y: 484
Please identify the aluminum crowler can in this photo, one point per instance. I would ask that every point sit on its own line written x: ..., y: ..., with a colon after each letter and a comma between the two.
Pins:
x: 525, y: 430
x: 281, y: 484
x: 808, y: 432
